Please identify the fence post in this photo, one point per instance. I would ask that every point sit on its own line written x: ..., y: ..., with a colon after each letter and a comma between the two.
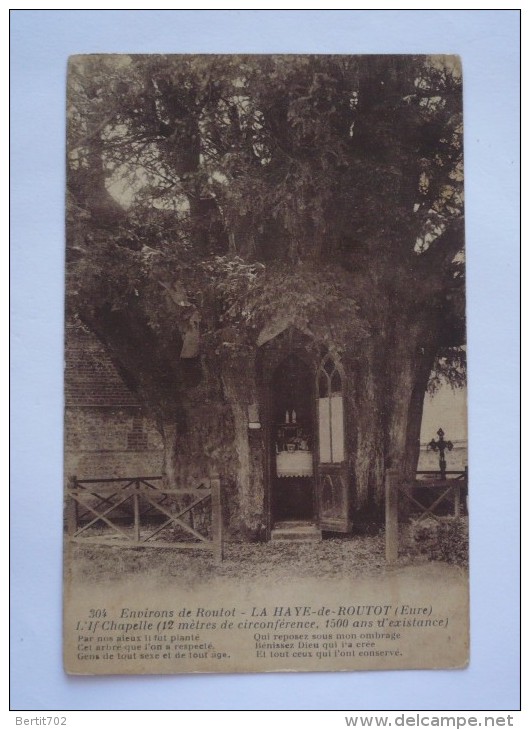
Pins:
x: 391, y: 516
x: 136, y: 507
x: 71, y: 507
x: 217, y: 519
x: 457, y: 497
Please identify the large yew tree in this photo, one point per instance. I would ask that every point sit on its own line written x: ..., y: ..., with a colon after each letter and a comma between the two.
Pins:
x: 211, y: 198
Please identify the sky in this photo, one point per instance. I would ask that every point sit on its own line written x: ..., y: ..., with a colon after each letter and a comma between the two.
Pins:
x: 446, y: 409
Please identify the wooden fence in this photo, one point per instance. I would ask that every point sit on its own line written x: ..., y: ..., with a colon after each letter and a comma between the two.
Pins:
x: 140, y: 512
x: 428, y: 496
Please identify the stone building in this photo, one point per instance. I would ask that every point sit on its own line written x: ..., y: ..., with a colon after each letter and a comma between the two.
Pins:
x: 106, y: 432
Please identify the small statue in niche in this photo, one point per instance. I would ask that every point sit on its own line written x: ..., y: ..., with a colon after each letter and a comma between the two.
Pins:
x: 301, y: 440
x: 291, y: 438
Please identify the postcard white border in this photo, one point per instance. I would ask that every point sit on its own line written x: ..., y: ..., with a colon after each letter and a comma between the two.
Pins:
x: 488, y: 42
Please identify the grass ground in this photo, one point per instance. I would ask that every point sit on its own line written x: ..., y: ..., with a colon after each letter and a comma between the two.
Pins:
x: 352, y: 557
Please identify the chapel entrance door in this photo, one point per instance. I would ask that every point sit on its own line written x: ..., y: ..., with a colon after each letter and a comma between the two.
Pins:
x: 292, y: 442
x: 332, y: 464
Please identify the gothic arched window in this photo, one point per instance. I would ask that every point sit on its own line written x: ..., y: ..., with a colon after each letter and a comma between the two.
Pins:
x: 330, y: 413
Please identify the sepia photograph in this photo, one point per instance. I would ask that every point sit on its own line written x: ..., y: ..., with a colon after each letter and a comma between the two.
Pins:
x: 265, y: 352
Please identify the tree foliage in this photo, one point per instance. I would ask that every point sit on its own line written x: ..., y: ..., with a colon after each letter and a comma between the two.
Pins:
x: 220, y: 173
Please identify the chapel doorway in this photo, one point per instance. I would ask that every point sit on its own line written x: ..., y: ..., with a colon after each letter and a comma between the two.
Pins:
x: 292, y: 441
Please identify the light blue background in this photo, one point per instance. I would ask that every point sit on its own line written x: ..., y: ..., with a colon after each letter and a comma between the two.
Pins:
x: 488, y: 42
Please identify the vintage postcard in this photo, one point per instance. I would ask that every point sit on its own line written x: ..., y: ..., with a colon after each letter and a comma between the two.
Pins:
x: 265, y: 404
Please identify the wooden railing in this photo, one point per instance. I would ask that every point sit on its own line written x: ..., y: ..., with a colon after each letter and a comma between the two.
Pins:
x: 445, y: 494
x: 140, y: 512
x: 430, y: 496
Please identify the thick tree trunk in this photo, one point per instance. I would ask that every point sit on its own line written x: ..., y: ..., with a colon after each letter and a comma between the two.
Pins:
x: 205, y: 429
x: 413, y: 355
x: 211, y: 436
x: 240, y: 389
x: 365, y: 431
x: 424, y: 365
x: 384, y: 412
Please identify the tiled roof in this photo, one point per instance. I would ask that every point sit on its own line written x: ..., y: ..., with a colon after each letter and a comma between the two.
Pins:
x: 90, y: 378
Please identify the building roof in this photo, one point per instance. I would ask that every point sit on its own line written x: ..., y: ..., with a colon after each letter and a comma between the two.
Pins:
x: 90, y: 377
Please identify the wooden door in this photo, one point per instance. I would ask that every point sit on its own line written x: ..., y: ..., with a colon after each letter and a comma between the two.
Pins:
x: 331, y: 458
